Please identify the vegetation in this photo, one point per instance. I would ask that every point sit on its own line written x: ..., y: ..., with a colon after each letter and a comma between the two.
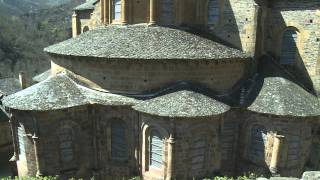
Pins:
x: 23, y: 37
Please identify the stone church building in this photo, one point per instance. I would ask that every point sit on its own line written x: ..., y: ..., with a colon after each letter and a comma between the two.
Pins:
x: 176, y: 89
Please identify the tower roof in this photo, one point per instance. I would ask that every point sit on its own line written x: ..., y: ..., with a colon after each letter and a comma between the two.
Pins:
x: 144, y: 42
x: 88, y: 5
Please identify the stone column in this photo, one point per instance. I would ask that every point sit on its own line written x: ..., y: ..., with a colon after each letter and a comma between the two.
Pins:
x: 75, y: 25
x: 153, y: 12
x: 35, y: 139
x: 275, y: 159
x: 124, y: 17
x: 170, y: 157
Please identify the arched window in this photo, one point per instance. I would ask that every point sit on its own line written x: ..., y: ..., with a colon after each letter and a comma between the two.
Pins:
x: 85, y: 29
x: 66, y: 144
x: 21, y: 136
x: 258, y: 141
x: 213, y: 12
x: 117, y: 9
x: 119, y: 150
x: 198, y: 151
x: 289, y: 47
x: 156, y: 149
x: 167, y: 12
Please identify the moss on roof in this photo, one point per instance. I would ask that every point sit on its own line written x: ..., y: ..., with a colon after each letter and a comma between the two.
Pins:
x: 144, y: 42
x: 9, y: 86
x: 60, y: 92
x: 184, y: 103
x: 89, y: 5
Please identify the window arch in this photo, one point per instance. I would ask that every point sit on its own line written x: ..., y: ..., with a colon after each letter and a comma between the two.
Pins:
x: 119, y: 148
x: 21, y: 140
x: 258, y: 141
x: 167, y: 11
x: 116, y: 10
x: 66, y: 144
x: 85, y: 29
x: 289, y: 47
x: 156, y: 149
x: 213, y: 12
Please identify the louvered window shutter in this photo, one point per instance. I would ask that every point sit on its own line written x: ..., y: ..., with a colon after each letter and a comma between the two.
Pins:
x: 289, y: 47
x: 213, y: 12
x: 22, y: 151
x: 117, y: 9
x: 119, y: 149
x: 156, y: 149
x: 167, y: 10
x: 66, y: 144
x: 258, y: 141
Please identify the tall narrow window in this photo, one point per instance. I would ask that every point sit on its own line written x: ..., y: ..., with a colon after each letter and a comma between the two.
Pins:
x: 117, y: 9
x: 119, y: 150
x: 258, y: 141
x: 198, y: 155
x: 22, y: 150
x: 289, y: 47
x: 167, y: 13
x: 156, y: 149
x: 213, y: 12
x: 66, y: 145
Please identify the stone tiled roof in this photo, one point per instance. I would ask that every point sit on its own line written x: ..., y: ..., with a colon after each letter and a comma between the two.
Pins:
x: 89, y: 5
x: 184, y: 103
x: 43, y: 76
x: 9, y: 86
x: 60, y: 92
x: 144, y: 42
x: 275, y: 91
x: 279, y: 96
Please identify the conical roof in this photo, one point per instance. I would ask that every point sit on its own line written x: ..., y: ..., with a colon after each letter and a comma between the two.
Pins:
x: 183, y: 103
x: 144, y: 42
x: 60, y: 92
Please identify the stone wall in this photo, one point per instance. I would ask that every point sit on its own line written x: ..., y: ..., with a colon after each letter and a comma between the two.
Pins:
x: 141, y: 75
x: 294, y: 150
x: 238, y: 23
x: 304, y: 17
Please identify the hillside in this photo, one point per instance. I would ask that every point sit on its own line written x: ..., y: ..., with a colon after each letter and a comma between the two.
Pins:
x: 22, y: 38
x: 19, y: 7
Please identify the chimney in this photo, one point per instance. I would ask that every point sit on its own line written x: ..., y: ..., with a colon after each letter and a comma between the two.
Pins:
x: 22, y: 79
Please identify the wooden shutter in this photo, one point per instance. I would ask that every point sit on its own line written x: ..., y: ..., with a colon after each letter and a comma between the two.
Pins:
x: 258, y: 141
x: 22, y: 150
x: 167, y: 10
x: 213, y: 12
x: 119, y: 149
x: 289, y: 47
x: 66, y: 144
x: 293, y: 150
x: 156, y: 149
x: 117, y: 9
x: 198, y: 154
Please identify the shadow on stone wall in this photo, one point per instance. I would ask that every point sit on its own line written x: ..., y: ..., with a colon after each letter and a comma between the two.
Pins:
x: 297, y: 70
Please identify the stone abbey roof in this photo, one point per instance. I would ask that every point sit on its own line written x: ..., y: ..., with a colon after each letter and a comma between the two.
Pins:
x: 275, y: 91
x: 280, y: 96
x: 88, y: 5
x: 9, y: 86
x: 143, y: 42
x: 60, y: 92
x: 184, y: 103
x: 43, y: 76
